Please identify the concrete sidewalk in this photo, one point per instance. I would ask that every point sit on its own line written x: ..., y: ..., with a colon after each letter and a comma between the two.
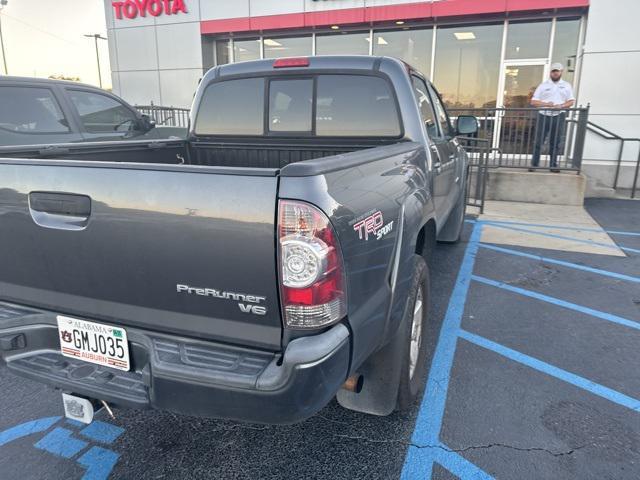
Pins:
x: 546, y: 226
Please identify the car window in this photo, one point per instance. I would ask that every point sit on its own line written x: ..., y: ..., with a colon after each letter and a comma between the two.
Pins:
x: 232, y: 107
x: 102, y: 114
x: 426, y: 108
x: 356, y: 106
x: 31, y: 110
x: 441, y: 112
x: 290, y: 105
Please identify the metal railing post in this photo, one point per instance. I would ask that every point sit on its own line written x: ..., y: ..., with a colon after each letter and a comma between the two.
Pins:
x: 635, y: 177
x: 581, y: 135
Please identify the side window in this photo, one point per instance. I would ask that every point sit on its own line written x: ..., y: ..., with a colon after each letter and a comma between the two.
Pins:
x: 443, y: 117
x: 426, y: 109
x: 102, y: 114
x: 290, y: 105
x: 31, y: 110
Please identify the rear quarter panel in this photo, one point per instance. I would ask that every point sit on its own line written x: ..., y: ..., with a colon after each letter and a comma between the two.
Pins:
x: 394, y: 188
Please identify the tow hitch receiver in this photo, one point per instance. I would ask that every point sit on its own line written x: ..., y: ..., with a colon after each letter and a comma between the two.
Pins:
x: 77, y: 408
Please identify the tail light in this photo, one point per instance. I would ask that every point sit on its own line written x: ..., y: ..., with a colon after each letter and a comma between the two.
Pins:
x: 312, y: 282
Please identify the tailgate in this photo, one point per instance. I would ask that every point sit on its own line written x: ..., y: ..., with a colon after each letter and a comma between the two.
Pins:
x: 178, y: 249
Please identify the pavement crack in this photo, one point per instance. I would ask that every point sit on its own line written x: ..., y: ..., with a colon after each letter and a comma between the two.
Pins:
x: 465, y: 449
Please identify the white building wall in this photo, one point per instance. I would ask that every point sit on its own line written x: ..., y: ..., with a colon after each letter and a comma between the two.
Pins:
x: 609, y: 82
x: 156, y: 59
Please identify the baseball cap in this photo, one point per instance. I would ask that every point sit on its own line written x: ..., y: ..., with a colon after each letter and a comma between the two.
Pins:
x: 557, y: 66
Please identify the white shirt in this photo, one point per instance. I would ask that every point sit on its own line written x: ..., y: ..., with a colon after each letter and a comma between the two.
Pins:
x: 556, y: 92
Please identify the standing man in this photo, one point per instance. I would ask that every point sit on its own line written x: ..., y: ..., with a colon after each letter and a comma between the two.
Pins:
x: 556, y: 95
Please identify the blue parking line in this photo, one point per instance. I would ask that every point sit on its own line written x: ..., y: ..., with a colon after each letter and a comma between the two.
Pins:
x: 99, y: 463
x: 562, y: 237
x: 419, y: 462
x: 575, y: 266
x: 563, y: 227
x: 25, y: 429
x: 561, y: 303
x: 59, y: 441
x: 573, y: 379
x: 102, y: 432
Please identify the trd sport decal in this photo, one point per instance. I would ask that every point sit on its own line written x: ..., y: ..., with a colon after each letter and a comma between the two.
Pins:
x: 372, y: 225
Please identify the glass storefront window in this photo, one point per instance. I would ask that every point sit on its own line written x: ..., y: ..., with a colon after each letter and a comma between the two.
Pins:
x: 223, y: 52
x: 467, y: 64
x: 565, y: 46
x: 287, y: 47
x: 343, y: 44
x: 244, y: 50
x: 412, y: 46
x: 528, y: 40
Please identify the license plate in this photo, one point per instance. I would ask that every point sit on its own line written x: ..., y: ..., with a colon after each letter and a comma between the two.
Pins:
x: 94, y: 342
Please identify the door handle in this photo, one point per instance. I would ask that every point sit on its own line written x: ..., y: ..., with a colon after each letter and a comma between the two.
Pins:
x: 63, y: 211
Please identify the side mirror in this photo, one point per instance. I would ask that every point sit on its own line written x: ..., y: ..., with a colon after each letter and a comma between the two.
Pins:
x: 146, y: 123
x: 467, y: 125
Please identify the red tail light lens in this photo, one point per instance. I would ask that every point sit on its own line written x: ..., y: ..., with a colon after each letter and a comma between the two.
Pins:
x: 312, y: 283
x: 291, y: 62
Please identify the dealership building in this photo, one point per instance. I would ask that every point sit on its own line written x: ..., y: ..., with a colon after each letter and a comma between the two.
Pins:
x: 479, y: 53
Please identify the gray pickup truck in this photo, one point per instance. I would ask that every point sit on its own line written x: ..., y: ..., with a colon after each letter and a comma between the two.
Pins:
x: 273, y: 260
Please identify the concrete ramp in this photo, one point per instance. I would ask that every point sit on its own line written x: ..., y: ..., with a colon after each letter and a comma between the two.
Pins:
x: 553, y: 227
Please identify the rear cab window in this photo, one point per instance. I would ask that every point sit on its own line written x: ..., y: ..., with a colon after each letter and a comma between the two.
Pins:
x: 31, y: 110
x: 323, y: 105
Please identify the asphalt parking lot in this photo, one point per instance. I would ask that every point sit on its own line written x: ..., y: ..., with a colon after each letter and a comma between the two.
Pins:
x: 535, y: 373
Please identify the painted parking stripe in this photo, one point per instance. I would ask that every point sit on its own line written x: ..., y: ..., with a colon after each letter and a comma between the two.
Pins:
x: 60, y: 442
x: 575, y: 266
x: 27, y: 428
x: 562, y: 227
x: 562, y: 237
x: 561, y: 303
x: 573, y: 379
x: 419, y: 461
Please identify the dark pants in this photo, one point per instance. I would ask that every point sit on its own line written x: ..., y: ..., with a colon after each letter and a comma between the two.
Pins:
x: 551, y: 127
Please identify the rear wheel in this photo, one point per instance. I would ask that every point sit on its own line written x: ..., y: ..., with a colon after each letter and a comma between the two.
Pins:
x: 413, y: 370
x: 395, y: 375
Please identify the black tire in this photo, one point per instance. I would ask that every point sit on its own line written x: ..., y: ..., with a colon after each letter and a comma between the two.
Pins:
x: 412, y: 380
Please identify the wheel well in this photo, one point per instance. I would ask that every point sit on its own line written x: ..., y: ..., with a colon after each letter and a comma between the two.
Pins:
x: 426, y: 237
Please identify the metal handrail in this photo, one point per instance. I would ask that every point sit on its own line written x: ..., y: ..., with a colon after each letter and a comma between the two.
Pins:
x: 609, y: 135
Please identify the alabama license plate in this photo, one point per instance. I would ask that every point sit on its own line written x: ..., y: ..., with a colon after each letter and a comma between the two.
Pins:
x: 94, y: 342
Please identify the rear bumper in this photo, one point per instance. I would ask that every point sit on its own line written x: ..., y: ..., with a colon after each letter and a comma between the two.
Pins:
x: 184, y: 375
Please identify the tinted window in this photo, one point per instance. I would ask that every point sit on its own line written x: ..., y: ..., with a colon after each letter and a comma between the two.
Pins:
x: 30, y: 110
x: 441, y: 113
x: 244, y: 50
x: 233, y: 107
x: 287, y: 47
x: 412, y: 46
x: 100, y: 113
x: 290, y: 105
x: 426, y: 108
x: 343, y: 43
x: 350, y: 105
x: 467, y: 64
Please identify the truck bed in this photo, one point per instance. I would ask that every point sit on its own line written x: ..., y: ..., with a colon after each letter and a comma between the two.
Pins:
x: 211, y: 154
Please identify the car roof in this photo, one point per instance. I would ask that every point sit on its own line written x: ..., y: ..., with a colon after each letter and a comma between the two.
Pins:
x: 45, y: 81
x: 321, y: 62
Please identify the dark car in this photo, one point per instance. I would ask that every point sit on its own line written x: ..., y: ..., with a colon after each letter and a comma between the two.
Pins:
x: 42, y: 111
x: 274, y: 259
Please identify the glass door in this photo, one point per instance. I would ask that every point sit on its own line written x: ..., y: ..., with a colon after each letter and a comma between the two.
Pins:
x: 516, y: 124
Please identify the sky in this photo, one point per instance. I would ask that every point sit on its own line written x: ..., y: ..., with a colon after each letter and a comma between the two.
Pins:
x: 45, y: 37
